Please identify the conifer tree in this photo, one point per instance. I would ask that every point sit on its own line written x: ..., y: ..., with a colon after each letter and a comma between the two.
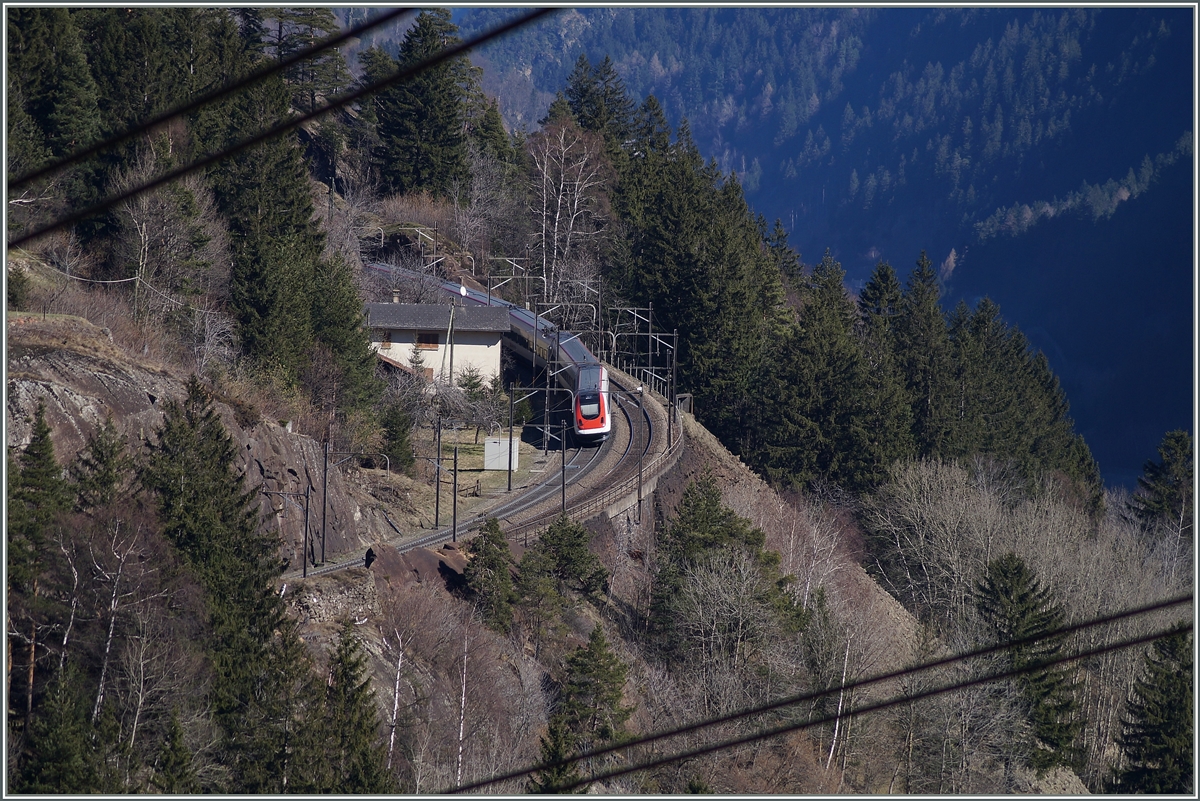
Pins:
x: 423, y: 147
x: 590, y: 704
x: 923, y: 355
x: 39, y: 494
x: 1165, y: 490
x: 488, y: 578
x: 556, y: 745
x: 353, y: 752
x: 103, y: 472
x: 173, y: 772
x: 337, y: 315
x: 1156, y: 736
x: 890, y: 407
x: 58, y: 756
x: 1013, y: 607
x: 566, y: 544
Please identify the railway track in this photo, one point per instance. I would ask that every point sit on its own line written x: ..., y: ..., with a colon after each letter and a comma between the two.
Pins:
x: 596, y: 478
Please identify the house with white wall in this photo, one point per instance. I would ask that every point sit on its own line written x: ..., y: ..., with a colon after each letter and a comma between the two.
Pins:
x: 448, y: 338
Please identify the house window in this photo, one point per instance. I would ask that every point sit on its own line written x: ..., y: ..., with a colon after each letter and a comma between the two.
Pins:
x: 427, y: 340
x: 386, y: 341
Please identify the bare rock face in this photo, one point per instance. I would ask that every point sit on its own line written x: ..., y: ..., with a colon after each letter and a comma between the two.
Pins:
x: 73, y: 367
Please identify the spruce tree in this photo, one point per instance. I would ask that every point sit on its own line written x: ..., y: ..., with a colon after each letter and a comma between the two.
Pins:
x: 1165, y: 490
x: 565, y: 542
x: 923, y: 355
x: 103, y: 472
x: 173, y: 772
x: 1014, y: 607
x: 423, y: 147
x: 58, y: 756
x: 488, y: 578
x: 556, y: 745
x: 590, y: 704
x: 337, y: 315
x: 353, y: 752
x: 1156, y: 736
x: 39, y: 494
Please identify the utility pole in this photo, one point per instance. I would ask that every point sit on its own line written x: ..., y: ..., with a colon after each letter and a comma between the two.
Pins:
x: 563, y: 445
x: 437, y: 495
x: 511, y: 401
x: 454, y: 505
x: 324, y: 497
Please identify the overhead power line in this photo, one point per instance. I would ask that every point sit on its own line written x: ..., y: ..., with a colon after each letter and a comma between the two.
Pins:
x: 906, y: 699
x: 338, y: 102
x: 797, y: 699
x: 208, y: 97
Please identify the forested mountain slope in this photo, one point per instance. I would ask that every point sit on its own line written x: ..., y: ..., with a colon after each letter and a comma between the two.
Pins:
x: 899, y: 447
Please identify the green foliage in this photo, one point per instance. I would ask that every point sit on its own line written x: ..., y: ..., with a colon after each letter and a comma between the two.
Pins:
x: 103, y: 471
x: 590, y: 703
x: 923, y: 354
x: 397, y: 432
x: 349, y: 733
x: 17, y: 291
x: 318, y: 77
x: 173, y: 771
x: 537, y: 594
x: 1014, y: 607
x: 565, y: 542
x: 38, y: 493
x: 488, y: 578
x: 1157, y: 729
x: 337, y: 319
x: 557, y: 744
x: 58, y: 755
x: 1166, y: 489
x: 423, y: 147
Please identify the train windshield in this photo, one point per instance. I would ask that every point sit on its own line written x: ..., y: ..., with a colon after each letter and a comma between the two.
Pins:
x: 589, y: 405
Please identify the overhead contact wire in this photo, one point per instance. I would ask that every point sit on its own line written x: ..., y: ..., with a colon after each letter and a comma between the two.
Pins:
x: 797, y: 699
x: 336, y: 103
x: 205, y: 99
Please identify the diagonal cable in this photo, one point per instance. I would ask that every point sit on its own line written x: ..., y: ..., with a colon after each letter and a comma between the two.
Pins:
x: 797, y: 699
x: 207, y: 98
x: 876, y: 707
x: 338, y: 102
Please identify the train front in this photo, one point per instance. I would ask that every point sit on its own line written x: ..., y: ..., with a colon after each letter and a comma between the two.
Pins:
x: 593, y: 420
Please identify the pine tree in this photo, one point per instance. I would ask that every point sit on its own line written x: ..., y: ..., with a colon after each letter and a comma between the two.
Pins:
x: 262, y: 675
x: 173, y: 772
x: 39, y: 494
x: 574, y: 566
x: 1013, y: 607
x: 488, y: 578
x: 890, y: 407
x: 58, y: 756
x: 320, y: 76
x: 590, y: 704
x: 397, y: 445
x: 1166, y: 490
x: 923, y: 355
x: 557, y: 744
x: 103, y: 472
x: 337, y: 315
x: 420, y: 127
x: 1156, y: 736
x: 353, y: 751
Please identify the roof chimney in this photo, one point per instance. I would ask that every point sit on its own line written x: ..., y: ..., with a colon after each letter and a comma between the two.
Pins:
x: 395, y: 296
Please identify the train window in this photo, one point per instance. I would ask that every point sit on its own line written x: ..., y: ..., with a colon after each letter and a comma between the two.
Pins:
x: 589, y: 406
x: 427, y: 340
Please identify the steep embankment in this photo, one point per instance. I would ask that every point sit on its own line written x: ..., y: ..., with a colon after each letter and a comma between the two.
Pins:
x: 82, y: 377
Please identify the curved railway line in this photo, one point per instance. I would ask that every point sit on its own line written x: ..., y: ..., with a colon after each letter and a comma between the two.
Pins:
x: 597, y: 479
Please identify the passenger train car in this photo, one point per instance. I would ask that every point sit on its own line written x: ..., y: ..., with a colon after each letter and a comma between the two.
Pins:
x: 575, y: 368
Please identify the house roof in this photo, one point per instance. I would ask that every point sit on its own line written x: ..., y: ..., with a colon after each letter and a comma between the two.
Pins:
x: 436, y: 317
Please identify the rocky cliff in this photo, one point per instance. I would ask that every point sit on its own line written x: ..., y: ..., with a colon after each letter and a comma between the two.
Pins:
x: 82, y: 377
